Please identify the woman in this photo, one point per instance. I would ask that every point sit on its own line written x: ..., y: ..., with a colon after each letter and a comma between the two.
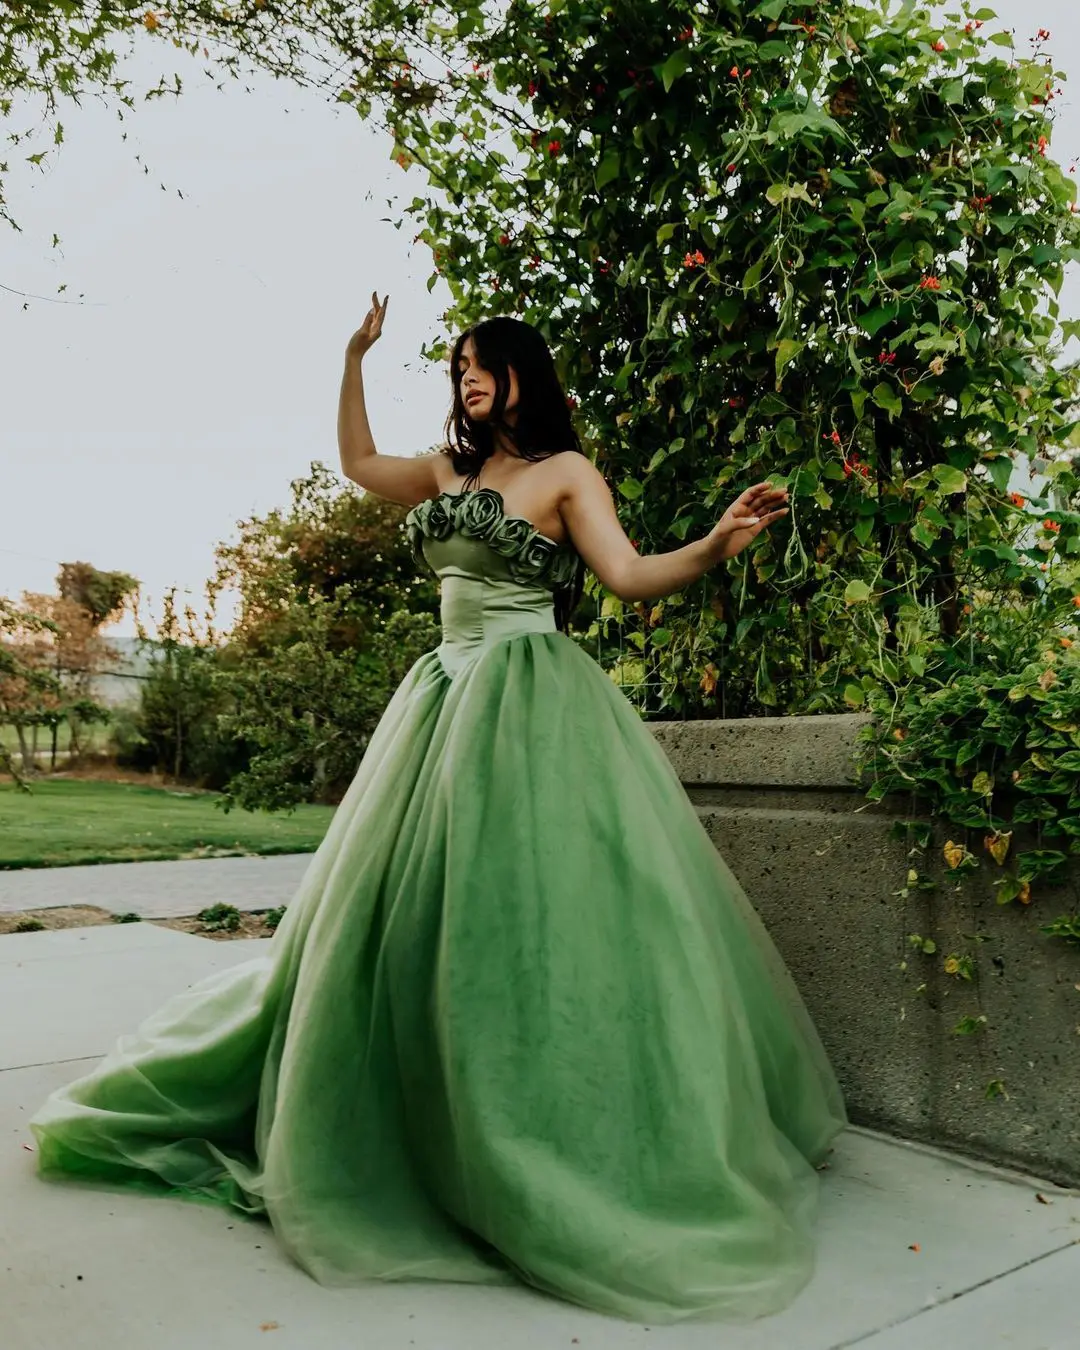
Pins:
x: 519, y: 1020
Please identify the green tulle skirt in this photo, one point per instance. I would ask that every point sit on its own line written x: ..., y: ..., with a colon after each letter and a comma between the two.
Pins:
x: 519, y: 1021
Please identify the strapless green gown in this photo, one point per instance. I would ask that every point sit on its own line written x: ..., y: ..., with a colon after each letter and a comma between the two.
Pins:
x: 518, y: 1022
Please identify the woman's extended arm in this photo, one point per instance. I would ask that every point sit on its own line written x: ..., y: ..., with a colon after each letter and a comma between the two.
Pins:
x: 588, y: 511
x: 398, y: 478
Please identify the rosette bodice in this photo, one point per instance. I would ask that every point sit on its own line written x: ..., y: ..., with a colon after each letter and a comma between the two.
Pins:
x: 497, y: 572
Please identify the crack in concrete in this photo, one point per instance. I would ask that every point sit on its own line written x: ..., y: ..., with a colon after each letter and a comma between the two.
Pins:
x: 863, y: 1338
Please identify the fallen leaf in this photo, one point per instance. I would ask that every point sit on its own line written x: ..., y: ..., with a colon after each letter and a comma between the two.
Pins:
x: 953, y: 854
x: 269, y: 1326
x: 1025, y: 893
x: 914, y: 1247
x: 1042, y: 1199
x: 997, y: 845
x: 29, y: 1148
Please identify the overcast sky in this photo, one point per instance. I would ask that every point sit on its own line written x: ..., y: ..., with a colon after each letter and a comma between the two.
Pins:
x: 200, y: 375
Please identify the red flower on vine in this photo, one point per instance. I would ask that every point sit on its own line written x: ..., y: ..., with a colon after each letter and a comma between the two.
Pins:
x: 854, y: 464
x: 686, y: 34
x: 835, y: 438
x: 1017, y: 499
x: 734, y: 72
x: 534, y: 88
x: 1052, y: 526
x: 930, y: 284
x: 695, y: 259
x: 554, y: 147
x: 1043, y: 145
x: 1076, y: 601
x: 731, y: 168
x: 974, y: 26
x: 504, y: 239
x: 1044, y: 35
x: 886, y: 358
x: 571, y: 403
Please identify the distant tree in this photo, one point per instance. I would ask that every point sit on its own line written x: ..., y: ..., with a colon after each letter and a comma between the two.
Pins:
x: 307, y: 707
x: 23, y: 683
x: 33, y: 691
x: 102, y: 596
x: 175, y: 728
x: 330, y: 535
x: 331, y: 612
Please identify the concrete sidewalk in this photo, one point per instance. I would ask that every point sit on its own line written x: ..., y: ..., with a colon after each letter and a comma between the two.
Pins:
x: 157, y: 890
x: 92, y: 1269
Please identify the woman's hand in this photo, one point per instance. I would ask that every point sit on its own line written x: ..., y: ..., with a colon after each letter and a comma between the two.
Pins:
x: 370, y: 330
x: 746, y: 517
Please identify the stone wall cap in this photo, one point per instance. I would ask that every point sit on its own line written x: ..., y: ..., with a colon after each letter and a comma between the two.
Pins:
x: 813, y: 751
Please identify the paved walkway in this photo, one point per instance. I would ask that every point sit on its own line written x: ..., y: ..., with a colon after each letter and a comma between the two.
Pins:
x: 157, y: 890
x: 85, y: 1268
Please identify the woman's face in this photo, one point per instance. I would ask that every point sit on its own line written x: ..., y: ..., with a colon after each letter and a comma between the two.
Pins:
x: 478, y: 387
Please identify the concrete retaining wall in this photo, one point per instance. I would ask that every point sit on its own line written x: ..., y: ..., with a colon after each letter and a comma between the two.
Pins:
x: 779, y: 798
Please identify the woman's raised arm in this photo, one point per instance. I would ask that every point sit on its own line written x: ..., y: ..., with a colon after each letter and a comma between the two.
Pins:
x: 398, y: 478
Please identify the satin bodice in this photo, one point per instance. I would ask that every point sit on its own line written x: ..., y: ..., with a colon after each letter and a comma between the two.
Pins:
x: 498, y: 573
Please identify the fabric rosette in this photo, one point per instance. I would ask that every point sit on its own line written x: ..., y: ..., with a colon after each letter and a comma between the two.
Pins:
x: 432, y: 519
x: 535, y: 558
x: 438, y: 518
x: 479, y: 513
x: 514, y: 535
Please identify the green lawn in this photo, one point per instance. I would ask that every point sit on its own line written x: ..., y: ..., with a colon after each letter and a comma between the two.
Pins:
x: 65, y: 821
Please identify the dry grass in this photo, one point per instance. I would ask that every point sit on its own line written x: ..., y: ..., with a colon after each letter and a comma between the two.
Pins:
x: 64, y: 916
x: 251, y: 926
x: 89, y: 916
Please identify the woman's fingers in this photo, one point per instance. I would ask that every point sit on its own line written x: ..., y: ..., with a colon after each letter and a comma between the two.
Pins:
x: 757, y: 521
x: 760, y: 494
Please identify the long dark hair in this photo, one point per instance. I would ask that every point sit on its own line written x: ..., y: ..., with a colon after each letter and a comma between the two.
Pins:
x: 543, y: 428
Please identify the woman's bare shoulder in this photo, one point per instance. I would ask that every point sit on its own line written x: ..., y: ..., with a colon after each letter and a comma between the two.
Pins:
x: 574, y: 472
x: 443, y: 466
